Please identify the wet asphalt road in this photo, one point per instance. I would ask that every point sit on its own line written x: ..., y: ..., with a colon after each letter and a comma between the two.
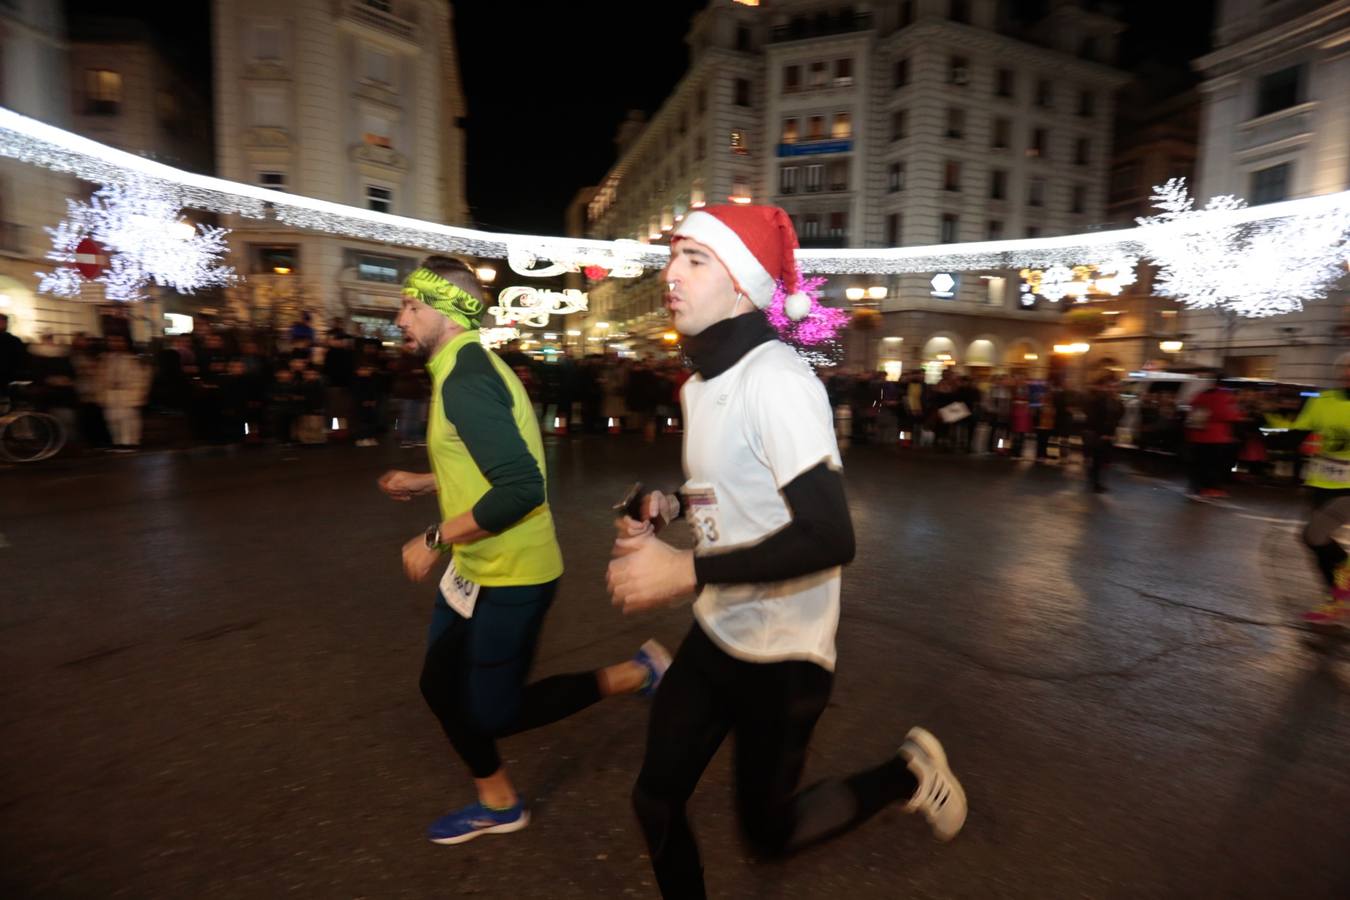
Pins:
x: 210, y: 664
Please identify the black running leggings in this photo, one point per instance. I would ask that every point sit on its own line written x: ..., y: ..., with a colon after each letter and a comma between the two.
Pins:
x: 772, y: 709
x: 1331, y: 510
x: 474, y: 674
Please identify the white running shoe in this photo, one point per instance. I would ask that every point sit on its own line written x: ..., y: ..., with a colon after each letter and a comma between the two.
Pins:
x: 939, y: 796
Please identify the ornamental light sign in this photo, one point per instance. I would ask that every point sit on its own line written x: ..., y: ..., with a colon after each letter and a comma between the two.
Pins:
x: 1105, y: 279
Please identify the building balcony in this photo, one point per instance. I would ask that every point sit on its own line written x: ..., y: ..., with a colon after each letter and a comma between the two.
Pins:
x: 1294, y: 122
x: 361, y: 16
x: 378, y: 156
x: 267, y: 139
x: 823, y: 25
x: 816, y: 147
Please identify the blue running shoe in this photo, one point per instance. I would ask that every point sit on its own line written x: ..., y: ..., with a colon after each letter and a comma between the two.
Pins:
x: 655, y: 659
x: 471, y: 821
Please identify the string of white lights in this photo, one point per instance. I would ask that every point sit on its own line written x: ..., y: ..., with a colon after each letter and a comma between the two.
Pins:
x: 39, y: 144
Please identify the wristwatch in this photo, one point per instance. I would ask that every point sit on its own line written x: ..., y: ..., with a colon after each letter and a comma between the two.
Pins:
x: 433, y: 539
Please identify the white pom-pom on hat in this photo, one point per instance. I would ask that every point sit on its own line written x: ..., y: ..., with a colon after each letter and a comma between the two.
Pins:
x: 797, y: 306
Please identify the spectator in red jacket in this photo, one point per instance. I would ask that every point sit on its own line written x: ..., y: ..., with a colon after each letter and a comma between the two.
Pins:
x: 1210, y: 439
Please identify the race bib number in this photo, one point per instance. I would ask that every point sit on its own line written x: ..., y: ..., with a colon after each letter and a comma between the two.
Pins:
x: 701, y: 512
x: 459, y: 592
x: 1324, y: 468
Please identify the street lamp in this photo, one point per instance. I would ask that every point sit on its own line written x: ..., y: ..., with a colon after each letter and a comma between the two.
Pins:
x: 1075, y: 349
x: 486, y: 274
x: 876, y: 292
x: 855, y: 293
x: 1170, y: 346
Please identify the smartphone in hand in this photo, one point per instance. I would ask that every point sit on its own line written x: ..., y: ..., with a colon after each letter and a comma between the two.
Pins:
x: 631, y: 504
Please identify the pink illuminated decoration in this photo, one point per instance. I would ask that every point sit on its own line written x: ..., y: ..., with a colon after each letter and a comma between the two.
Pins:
x: 820, y: 325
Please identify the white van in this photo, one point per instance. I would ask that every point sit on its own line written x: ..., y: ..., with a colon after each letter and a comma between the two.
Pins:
x: 1155, y: 404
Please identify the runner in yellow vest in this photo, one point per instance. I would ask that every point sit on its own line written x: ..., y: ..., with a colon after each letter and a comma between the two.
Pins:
x: 487, y: 468
x: 1328, y: 475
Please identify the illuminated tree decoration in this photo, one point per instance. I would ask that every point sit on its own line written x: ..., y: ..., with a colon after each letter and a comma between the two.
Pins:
x: 1207, y: 259
x: 815, y: 335
x: 146, y: 239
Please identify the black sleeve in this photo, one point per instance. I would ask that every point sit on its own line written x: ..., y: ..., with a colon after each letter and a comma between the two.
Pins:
x: 478, y: 403
x: 820, y: 536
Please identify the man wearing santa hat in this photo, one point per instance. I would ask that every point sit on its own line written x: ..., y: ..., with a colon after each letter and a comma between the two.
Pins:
x: 765, y: 498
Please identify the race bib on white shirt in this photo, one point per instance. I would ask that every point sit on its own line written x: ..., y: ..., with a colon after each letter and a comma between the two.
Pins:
x: 460, y: 593
x: 701, y: 511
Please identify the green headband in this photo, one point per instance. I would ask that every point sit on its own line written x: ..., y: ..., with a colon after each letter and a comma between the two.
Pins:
x: 448, y: 299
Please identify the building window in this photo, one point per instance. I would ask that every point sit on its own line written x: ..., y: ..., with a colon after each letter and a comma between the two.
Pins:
x: 956, y: 123
x: 378, y: 268
x: 742, y: 92
x: 1002, y: 139
x: 275, y: 181
x: 843, y: 72
x: 994, y: 231
x: 279, y: 260
x: 740, y: 145
x: 893, y: 230
x: 1033, y: 231
x: 379, y: 66
x: 700, y: 147
x: 818, y: 75
x: 1087, y: 104
x: 814, y: 176
x: 900, y: 73
x: 789, y: 131
x: 998, y: 185
x: 811, y: 226
x: 837, y: 175
x: 842, y: 127
x: 267, y: 43
x: 959, y: 11
x: 1039, y: 145
x: 102, y: 92
x: 1036, y: 192
x: 815, y: 128
x: 379, y: 199
x: 899, y: 125
x: 906, y: 13
x: 1045, y: 93
x: 740, y: 186
x: 1278, y: 90
x: 951, y: 228
x: 958, y: 70
x: 1270, y: 185
x: 702, y: 104
x: 839, y: 225
x: 742, y: 39
x: 377, y: 131
x: 1079, y: 203
x: 385, y: 6
x: 1122, y: 181
x: 792, y: 79
x: 951, y: 176
x: 1088, y: 48
x: 787, y: 180
x: 1082, y: 151
x: 1004, y: 83
x: 269, y: 109
x: 895, y: 177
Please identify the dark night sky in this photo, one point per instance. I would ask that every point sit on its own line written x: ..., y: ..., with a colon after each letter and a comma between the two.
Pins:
x: 547, y: 84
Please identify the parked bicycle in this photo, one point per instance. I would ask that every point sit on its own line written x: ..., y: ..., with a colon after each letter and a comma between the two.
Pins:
x: 27, y: 435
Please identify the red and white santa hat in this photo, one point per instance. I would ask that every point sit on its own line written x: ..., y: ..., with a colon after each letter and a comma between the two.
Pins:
x: 756, y: 244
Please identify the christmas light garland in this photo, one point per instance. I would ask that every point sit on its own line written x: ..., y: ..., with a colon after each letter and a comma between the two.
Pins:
x: 1304, y: 227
